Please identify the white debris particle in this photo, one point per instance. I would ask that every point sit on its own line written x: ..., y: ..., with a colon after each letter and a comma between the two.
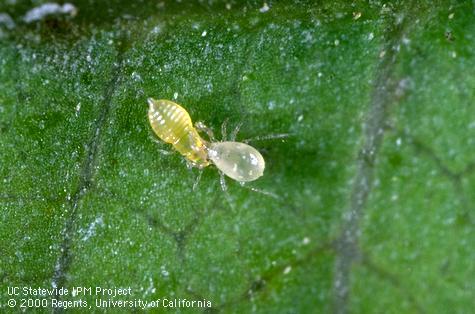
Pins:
x: 244, y: 78
x: 271, y: 105
x: 451, y: 16
x: 203, y: 34
x: 228, y: 6
x: 308, y: 37
x: 370, y: 36
x: 156, y: 30
x: 306, y: 240
x: 88, y: 58
x: 382, y: 53
x: 287, y: 270
x: 78, y: 109
x: 91, y: 230
x: 300, y: 118
x: 151, y: 288
x: 136, y: 77
x: 209, y: 87
x: 356, y: 15
x: 175, y: 95
x: 6, y: 20
x: 40, y: 12
x: 164, y: 272
x: 454, y: 54
x: 337, y: 42
x: 398, y: 141
x: 264, y: 8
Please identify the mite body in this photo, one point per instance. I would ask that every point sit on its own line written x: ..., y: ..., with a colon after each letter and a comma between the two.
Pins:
x: 172, y: 124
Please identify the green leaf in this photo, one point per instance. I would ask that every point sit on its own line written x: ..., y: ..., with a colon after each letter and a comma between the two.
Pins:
x: 374, y: 209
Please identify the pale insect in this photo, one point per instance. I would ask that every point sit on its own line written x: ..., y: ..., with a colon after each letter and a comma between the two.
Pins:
x: 172, y: 124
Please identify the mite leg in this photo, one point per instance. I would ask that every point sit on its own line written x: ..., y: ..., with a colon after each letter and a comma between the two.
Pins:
x: 234, y: 133
x: 224, y: 187
x: 222, y: 181
x: 200, y: 126
x: 266, y: 193
x: 190, y: 164
x: 267, y: 137
x: 198, y: 179
x: 224, y: 131
x: 165, y: 152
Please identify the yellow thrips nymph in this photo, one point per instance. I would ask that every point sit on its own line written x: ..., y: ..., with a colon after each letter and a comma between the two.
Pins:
x: 172, y: 124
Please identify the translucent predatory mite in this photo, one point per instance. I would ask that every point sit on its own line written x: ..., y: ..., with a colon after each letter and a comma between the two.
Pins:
x: 172, y: 124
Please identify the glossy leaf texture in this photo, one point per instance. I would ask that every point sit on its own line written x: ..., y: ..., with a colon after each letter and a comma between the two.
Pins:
x: 374, y: 209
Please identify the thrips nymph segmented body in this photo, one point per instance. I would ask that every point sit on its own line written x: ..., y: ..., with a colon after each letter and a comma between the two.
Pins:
x: 172, y: 124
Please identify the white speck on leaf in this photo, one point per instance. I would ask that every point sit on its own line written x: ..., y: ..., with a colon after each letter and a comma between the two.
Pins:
x: 156, y: 30
x: 40, y: 12
x: 264, y: 8
x: 91, y: 230
x: 164, y: 272
x: 271, y: 105
x: 6, y: 20
x: 136, y: 77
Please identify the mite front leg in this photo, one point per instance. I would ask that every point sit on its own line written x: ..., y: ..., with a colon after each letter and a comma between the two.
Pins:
x: 267, y: 137
x: 234, y: 133
x: 224, y: 132
x: 200, y: 126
